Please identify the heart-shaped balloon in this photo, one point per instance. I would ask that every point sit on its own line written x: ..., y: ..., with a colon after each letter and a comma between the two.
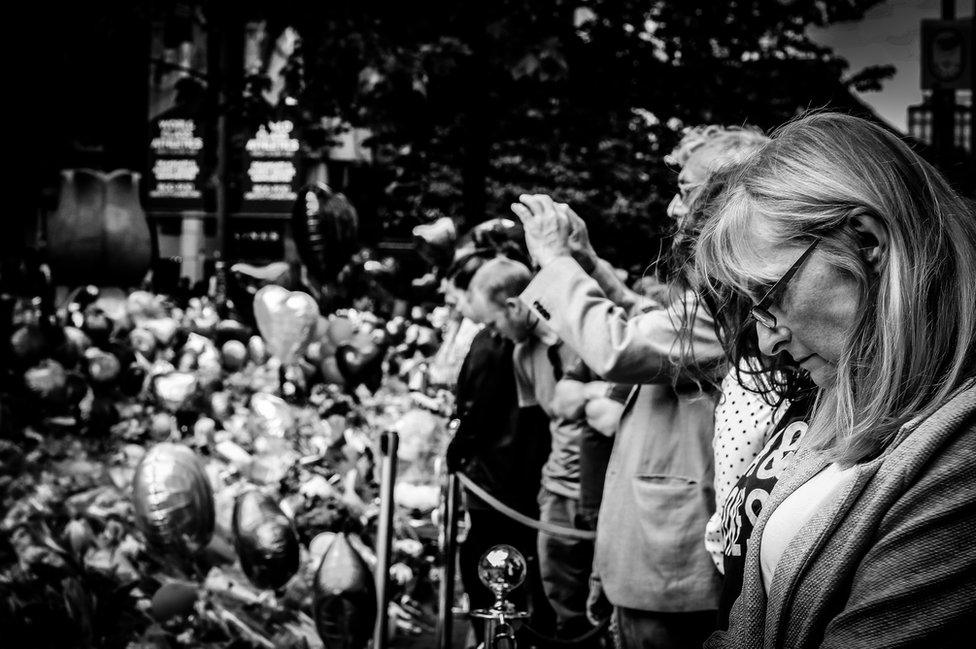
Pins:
x: 265, y: 539
x: 271, y: 415
x: 345, y: 597
x: 174, y: 389
x: 286, y: 320
x: 361, y: 366
x: 173, y: 500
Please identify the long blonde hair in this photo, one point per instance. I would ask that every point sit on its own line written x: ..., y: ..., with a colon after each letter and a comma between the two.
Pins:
x: 915, y: 340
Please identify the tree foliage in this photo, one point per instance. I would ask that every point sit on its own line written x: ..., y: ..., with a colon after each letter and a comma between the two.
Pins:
x: 474, y: 103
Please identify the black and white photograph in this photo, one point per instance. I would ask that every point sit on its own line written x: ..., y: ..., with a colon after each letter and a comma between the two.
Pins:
x: 489, y: 324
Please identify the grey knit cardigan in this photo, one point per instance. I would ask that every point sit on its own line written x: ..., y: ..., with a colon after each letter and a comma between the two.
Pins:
x: 889, y: 563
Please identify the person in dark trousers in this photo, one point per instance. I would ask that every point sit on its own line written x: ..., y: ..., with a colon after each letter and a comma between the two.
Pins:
x: 502, y: 450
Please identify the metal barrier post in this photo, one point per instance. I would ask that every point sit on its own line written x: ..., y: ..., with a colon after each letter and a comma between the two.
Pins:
x: 384, y: 537
x: 449, y: 525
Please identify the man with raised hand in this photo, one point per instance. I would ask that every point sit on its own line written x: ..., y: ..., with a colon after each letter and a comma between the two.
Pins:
x: 650, y: 559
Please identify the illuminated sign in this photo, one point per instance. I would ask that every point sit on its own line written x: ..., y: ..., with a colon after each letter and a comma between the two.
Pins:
x: 175, y: 151
x: 270, y: 163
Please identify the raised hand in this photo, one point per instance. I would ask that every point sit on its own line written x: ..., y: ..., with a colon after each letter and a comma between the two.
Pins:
x: 579, y: 238
x: 547, y: 228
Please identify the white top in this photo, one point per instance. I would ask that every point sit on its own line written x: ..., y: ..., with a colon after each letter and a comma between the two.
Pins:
x: 794, y: 512
x: 743, y: 423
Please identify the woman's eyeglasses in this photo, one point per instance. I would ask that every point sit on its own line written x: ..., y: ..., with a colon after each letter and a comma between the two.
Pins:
x: 760, y: 312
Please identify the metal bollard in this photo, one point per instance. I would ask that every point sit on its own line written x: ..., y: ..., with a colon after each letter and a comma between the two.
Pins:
x: 449, y: 525
x: 384, y: 537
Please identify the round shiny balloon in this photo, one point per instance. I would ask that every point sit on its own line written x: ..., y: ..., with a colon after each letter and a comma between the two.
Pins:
x: 102, y: 366
x: 265, y: 539
x: 286, y: 320
x: 172, y: 499
x: 345, y: 597
x: 233, y: 355
x: 174, y: 389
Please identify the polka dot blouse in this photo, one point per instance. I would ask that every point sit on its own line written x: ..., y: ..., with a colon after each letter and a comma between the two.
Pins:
x: 743, y: 422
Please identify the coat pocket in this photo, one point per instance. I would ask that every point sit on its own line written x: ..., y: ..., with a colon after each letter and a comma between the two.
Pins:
x: 673, y: 514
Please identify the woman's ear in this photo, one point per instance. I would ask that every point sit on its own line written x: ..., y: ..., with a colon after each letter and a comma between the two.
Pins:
x: 872, y: 235
x: 514, y: 306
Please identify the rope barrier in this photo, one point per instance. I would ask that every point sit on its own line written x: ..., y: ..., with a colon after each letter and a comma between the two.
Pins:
x: 519, y: 517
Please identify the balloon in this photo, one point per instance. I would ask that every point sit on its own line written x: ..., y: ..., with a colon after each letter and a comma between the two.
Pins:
x: 174, y: 389
x: 47, y: 379
x: 203, y: 430
x: 270, y: 414
x: 286, y: 320
x: 75, y: 345
x: 265, y: 539
x: 361, y: 366
x: 102, y: 366
x: 319, y: 545
x: 161, y: 426
x: 28, y: 342
x: 340, y: 330
x: 345, y: 597
x: 233, y: 355
x: 257, y: 350
x: 173, y: 599
x: 173, y: 501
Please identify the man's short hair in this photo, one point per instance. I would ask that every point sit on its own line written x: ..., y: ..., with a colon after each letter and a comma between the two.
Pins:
x: 501, y: 278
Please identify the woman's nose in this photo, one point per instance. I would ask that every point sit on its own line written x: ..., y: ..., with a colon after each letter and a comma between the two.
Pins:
x: 772, y: 341
x: 676, y: 208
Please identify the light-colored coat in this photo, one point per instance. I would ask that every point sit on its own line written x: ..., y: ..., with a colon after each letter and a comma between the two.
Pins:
x: 890, y: 562
x: 659, y: 491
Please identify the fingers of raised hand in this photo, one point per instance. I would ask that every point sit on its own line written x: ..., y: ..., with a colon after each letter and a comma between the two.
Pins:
x: 522, y: 212
x: 538, y: 204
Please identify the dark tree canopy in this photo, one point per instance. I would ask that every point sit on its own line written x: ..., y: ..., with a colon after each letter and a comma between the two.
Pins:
x: 472, y: 103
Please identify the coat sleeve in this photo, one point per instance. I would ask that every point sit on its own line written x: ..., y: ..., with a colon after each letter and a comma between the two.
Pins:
x: 916, y: 587
x: 646, y: 348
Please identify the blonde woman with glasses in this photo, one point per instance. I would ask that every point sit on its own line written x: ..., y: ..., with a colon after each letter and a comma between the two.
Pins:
x: 860, y: 261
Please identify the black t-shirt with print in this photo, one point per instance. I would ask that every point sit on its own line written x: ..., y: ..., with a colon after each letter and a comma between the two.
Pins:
x: 745, y: 501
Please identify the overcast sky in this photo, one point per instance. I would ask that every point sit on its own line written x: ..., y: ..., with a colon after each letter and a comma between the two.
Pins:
x: 889, y: 33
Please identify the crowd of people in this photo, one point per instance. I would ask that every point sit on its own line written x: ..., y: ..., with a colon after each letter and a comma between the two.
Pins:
x: 773, y: 444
